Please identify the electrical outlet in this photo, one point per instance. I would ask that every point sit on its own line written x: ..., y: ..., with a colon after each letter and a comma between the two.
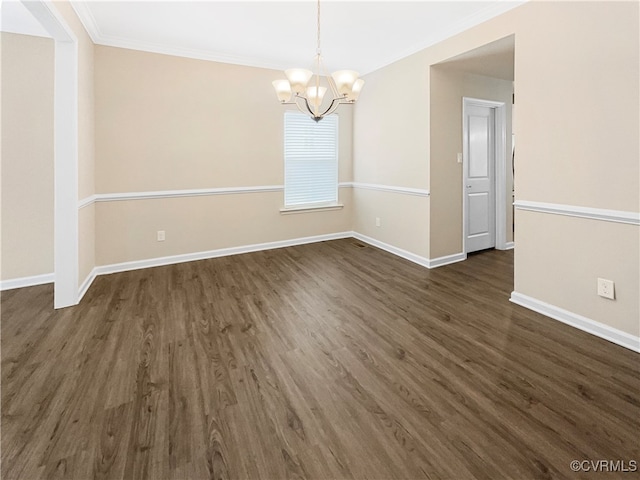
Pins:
x: 160, y: 235
x: 459, y: 158
x: 377, y: 221
x: 606, y: 288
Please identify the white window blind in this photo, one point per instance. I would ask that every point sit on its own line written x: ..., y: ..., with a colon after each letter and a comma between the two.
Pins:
x: 310, y: 160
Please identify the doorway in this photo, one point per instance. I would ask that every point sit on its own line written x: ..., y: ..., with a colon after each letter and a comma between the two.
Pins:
x: 484, y: 175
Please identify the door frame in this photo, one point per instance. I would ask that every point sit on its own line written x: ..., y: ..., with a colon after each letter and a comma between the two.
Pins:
x: 65, y: 127
x: 500, y: 168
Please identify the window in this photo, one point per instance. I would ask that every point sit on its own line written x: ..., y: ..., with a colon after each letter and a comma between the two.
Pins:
x: 310, y: 160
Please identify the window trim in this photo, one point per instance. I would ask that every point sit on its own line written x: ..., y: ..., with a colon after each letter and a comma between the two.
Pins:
x: 312, y: 206
x: 309, y: 207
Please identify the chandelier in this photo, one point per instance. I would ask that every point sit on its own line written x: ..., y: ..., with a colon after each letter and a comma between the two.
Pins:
x: 345, y: 86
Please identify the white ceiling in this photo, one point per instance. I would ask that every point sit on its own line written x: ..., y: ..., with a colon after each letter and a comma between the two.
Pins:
x: 358, y: 35
x: 15, y: 18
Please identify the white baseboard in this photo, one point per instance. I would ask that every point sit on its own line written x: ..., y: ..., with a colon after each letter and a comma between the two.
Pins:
x: 509, y: 245
x: 222, y: 252
x: 27, y: 281
x: 447, y: 260
x: 585, y: 324
x: 87, y: 283
x: 391, y: 249
x: 425, y: 262
x: 189, y: 257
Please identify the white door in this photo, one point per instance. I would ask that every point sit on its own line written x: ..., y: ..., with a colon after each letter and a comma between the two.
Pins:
x: 479, y: 177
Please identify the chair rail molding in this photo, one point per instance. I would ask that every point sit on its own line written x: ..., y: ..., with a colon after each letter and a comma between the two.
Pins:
x: 197, y: 192
x: 420, y: 192
x: 617, y: 216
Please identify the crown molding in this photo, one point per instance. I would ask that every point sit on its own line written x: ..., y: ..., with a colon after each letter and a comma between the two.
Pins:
x: 91, y: 26
x: 197, y: 54
x: 87, y: 19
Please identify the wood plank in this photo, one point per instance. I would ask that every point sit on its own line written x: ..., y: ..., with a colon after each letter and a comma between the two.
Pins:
x: 328, y: 360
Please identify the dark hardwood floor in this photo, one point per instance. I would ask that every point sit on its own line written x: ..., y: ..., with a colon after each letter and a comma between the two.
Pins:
x: 330, y: 360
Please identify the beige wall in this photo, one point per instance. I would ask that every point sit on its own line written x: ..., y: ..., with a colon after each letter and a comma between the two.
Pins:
x: 391, y: 147
x: 577, y: 96
x: 200, y: 224
x: 27, y: 156
x: 448, y: 87
x: 392, y: 209
x: 577, y: 122
x: 561, y: 252
x: 576, y: 82
x: 170, y: 123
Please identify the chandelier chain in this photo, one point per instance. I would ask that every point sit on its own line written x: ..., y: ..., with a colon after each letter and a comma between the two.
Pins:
x: 318, y: 47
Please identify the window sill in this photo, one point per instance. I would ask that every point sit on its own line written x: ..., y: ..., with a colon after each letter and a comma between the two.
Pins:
x: 314, y: 208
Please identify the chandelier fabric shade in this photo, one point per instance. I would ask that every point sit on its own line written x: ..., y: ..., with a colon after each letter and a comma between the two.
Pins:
x: 303, y: 87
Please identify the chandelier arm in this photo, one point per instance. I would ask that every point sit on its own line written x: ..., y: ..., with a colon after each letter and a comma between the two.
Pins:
x: 332, y: 85
x: 308, y: 110
x: 332, y: 107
